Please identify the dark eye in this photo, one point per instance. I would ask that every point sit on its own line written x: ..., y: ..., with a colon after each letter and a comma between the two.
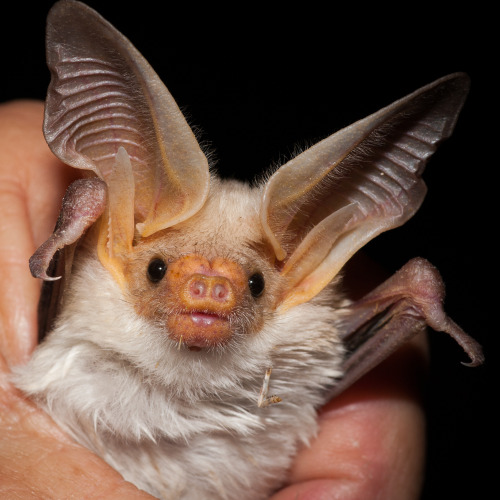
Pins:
x: 156, y: 270
x: 256, y: 285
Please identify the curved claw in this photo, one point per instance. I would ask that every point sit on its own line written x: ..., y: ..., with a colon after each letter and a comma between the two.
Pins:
x: 83, y: 203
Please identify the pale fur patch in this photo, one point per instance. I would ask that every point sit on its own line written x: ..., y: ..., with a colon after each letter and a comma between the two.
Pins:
x: 180, y: 423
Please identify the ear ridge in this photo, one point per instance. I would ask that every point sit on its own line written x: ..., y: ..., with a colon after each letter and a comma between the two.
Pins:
x: 374, y: 165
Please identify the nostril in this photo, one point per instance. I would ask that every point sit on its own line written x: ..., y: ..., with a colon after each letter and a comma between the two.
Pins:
x: 197, y: 289
x: 219, y: 292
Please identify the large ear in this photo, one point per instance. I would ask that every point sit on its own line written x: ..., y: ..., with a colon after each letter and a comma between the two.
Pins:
x: 322, y: 206
x: 104, y: 98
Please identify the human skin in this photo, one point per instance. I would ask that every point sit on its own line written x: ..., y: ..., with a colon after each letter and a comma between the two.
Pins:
x: 371, y: 442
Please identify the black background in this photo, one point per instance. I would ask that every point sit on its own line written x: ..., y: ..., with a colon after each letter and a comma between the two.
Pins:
x: 259, y: 82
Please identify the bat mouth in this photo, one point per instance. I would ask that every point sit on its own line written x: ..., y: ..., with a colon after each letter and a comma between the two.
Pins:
x: 199, y: 329
x: 204, y: 319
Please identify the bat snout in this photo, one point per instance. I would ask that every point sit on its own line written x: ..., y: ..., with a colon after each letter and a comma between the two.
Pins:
x: 206, y: 293
x: 209, y: 292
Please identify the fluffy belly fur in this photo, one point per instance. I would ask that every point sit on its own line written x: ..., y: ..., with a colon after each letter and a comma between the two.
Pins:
x: 182, y: 423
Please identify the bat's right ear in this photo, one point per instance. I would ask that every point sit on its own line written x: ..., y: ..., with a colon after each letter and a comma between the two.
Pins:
x: 108, y: 112
x: 325, y: 204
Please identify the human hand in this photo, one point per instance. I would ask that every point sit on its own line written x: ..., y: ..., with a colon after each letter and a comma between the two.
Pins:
x: 371, y: 438
x: 36, y: 459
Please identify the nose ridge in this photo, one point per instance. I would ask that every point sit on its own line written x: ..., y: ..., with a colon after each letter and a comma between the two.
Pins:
x: 212, y: 292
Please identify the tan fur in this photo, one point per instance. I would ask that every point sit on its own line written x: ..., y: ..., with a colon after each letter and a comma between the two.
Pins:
x: 183, y: 423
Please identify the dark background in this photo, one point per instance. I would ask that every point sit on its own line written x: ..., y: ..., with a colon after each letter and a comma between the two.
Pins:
x: 259, y: 82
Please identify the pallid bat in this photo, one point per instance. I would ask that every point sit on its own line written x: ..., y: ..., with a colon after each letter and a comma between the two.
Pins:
x: 199, y: 322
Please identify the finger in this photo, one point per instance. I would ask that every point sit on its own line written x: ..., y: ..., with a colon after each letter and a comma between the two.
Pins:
x: 371, y: 442
x: 31, y: 185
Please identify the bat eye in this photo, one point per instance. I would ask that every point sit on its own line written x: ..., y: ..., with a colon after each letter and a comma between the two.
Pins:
x: 256, y: 285
x: 156, y: 270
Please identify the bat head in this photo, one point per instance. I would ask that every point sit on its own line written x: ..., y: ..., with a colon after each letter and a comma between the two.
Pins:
x: 202, y: 257
x: 207, y: 279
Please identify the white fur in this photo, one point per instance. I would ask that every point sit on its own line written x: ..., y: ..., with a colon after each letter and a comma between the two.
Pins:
x: 180, y: 423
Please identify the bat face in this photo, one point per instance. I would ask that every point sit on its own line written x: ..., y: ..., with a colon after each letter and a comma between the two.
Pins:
x: 207, y: 280
x: 198, y: 312
x: 181, y: 293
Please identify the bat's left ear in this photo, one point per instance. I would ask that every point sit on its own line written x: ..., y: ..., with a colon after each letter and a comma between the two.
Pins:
x: 322, y: 206
x: 108, y: 112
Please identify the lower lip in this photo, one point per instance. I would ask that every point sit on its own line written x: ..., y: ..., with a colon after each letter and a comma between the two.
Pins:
x: 204, y: 319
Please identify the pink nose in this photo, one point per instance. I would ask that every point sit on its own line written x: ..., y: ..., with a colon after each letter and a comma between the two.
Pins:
x: 208, y: 292
x: 212, y: 287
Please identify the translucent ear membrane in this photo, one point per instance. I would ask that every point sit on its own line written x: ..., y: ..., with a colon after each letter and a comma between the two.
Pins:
x: 121, y: 105
x: 355, y: 184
